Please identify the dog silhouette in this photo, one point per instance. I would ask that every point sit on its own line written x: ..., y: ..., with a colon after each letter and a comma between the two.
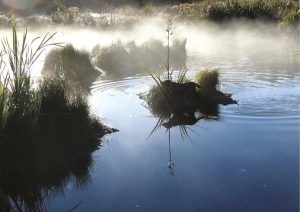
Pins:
x: 180, y: 88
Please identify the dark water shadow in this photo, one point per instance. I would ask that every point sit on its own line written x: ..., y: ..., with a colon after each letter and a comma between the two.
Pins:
x: 32, y: 191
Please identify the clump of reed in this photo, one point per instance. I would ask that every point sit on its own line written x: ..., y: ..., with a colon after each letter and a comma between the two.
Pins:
x: 19, y: 103
x: 72, y: 63
x: 45, y: 127
x: 128, y: 59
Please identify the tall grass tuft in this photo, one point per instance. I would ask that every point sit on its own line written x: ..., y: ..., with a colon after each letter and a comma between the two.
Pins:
x: 18, y: 102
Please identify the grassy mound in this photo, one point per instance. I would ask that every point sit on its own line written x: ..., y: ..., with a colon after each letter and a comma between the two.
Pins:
x: 204, y: 101
x: 72, y: 63
x: 122, y: 60
x: 208, y: 79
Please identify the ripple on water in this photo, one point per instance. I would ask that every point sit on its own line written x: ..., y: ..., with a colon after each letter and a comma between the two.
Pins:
x: 259, y: 97
x: 127, y: 84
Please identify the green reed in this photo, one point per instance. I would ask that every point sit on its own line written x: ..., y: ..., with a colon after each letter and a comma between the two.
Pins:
x: 18, y: 101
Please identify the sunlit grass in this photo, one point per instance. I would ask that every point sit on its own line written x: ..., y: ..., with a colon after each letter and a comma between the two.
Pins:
x: 208, y: 79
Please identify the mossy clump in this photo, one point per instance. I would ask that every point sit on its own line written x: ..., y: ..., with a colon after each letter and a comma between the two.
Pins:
x: 208, y: 79
x: 72, y: 63
x: 210, y: 83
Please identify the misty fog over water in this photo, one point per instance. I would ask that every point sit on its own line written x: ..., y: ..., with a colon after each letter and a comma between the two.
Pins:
x: 208, y: 44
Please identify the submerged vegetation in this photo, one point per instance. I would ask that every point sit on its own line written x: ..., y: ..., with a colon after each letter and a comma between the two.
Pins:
x: 285, y: 13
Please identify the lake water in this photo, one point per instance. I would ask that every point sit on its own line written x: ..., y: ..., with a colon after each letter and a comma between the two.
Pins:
x: 246, y: 161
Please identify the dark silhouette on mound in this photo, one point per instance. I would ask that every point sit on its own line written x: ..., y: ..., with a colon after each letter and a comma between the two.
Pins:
x: 180, y: 89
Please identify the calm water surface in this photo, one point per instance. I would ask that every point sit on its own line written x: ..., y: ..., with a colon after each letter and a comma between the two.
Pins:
x: 246, y: 161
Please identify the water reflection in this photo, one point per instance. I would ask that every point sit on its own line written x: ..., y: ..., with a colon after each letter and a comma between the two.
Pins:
x: 31, y: 191
x: 183, y: 116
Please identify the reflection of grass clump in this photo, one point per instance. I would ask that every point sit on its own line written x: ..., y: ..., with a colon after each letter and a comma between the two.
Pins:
x: 32, y: 195
x: 76, y: 65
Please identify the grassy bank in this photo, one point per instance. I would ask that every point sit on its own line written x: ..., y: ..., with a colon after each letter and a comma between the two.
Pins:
x: 283, y: 13
x: 128, y: 59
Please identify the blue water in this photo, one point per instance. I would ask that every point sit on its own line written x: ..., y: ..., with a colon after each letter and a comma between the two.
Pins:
x: 246, y: 161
